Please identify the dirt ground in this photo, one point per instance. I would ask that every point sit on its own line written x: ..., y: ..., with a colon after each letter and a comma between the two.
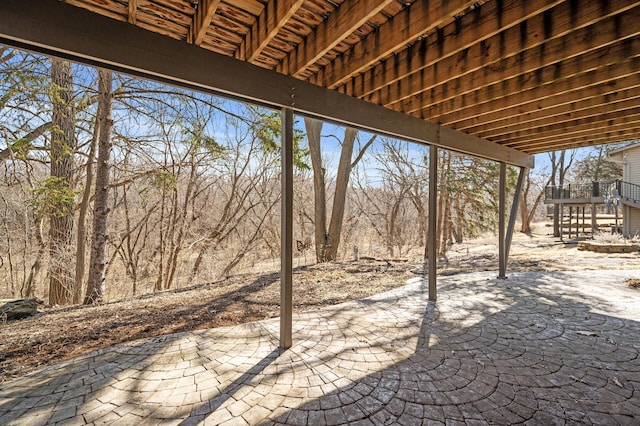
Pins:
x: 54, y: 335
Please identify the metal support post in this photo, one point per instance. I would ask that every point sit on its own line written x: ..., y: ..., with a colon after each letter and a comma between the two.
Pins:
x: 286, y: 231
x: 502, y: 207
x: 570, y: 216
x: 433, y: 215
x: 512, y: 219
x: 561, y: 215
x: 594, y: 221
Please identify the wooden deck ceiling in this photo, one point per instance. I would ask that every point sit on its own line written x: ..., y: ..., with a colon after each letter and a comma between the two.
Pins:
x: 534, y: 75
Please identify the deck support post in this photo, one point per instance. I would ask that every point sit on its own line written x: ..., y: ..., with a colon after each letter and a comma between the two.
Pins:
x: 286, y: 231
x: 561, y: 215
x: 506, y: 236
x: 512, y: 221
x: 433, y: 212
x: 570, y: 218
x: 594, y: 222
x: 502, y: 206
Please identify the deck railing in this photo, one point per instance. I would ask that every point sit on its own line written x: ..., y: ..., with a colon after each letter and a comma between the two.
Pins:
x: 629, y: 191
x: 602, y: 189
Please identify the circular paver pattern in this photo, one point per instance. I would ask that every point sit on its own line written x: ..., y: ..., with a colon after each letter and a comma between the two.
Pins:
x: 537, y: 348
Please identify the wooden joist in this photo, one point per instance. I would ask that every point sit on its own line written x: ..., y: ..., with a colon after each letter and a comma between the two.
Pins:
x: 505, y: 70
x: 271, y: 20
x: 202, y: 20
x: 420, y: 18
x: 592, y: 84
x: 345, y: 21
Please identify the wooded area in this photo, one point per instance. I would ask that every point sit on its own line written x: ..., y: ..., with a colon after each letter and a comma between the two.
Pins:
x: 113, y: 186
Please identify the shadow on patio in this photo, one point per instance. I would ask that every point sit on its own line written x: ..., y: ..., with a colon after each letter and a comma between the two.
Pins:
x: 540, y: 347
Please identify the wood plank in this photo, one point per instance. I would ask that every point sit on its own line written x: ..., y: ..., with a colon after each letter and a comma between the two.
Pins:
x: 238, y: 16
x: 201, y: 20
x: 133, y: 6
x: 115, y: 11
x: 186, y: 7
x: 151, y: 23
x: 53, y: 27
x: 536, y: 85
x: 254, y: 7
x: 626, y: 135
x: 584, y: 86
x: 163, y: 15
x: 574, y: 128
x: 577, y: 132
x: 617, y: 101
x: 420, y: 18
x: 351, y: 15
x: 484, y: 22
x: 514, y: 52
x: 269, y: 23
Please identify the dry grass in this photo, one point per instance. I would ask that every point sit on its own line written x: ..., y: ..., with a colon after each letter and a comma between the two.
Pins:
x: 606, y: 238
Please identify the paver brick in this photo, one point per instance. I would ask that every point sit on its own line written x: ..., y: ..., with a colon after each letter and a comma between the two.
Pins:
x: 489, y: 351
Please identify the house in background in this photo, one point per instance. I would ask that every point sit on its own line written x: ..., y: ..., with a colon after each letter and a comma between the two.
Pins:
x: 624, y: 194
x: 629, y: 188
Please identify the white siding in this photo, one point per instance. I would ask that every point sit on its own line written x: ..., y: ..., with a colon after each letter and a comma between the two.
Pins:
x: 631, y: 169
x: 632, y: 221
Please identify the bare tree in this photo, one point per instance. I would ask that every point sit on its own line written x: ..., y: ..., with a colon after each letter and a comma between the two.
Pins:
x: 95, y: 283
x: 530, y: 198
x: 388, y: 204
x: 328, y: 239
x: 59, y: 185
x: 560, y: 165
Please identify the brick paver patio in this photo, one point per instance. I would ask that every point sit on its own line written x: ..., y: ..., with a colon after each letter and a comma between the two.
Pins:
x: 538, y: 348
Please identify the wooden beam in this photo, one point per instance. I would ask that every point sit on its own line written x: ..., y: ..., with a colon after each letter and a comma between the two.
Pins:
x: 628, y: 134
x: 615, y: 101
x: 579, y: 134
x: 116, y: 11
x: 55, y: 28
x: 481, y: 58
x: 350, y: 16
x: 133, y: 9
x: 201, y: 20
x: 593, y: 123
x: 471, y: 110
x: 420, y: 18
x: 454, y: 40
x: 274, y: 16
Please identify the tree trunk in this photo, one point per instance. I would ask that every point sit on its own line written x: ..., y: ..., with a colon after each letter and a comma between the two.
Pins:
x: 95, y: 282
x: 527, y: 213
x: 61, y: 267
x: 340, y: 196
x: 328, y: 241
x: 28, y: 289
x: 443, y: 203
x: 458, y: 228
x: 81, y: 237
x: 314, y: 127
x: 524, y: 205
